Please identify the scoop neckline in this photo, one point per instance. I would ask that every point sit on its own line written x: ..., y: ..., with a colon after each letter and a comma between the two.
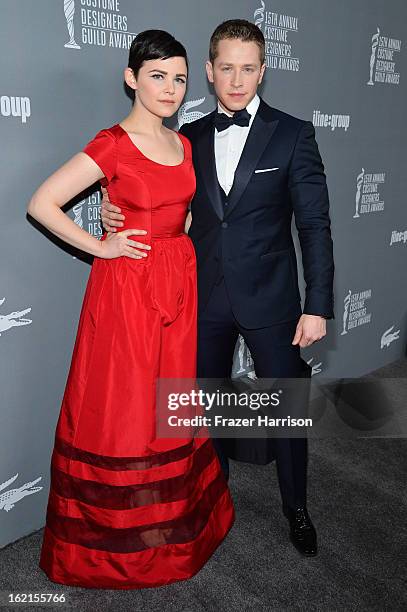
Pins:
x: 149, y: 158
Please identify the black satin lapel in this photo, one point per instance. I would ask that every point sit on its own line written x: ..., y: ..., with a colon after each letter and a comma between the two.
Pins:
x: 257, y: 140
x: 206, y: 156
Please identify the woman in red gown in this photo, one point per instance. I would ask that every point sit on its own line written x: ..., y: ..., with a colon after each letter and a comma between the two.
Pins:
x: 126, y: 508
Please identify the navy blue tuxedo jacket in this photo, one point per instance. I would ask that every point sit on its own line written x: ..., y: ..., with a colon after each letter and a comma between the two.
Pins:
x: 251, y: 236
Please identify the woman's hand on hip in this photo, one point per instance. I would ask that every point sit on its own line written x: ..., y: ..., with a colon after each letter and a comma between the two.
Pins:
x: 120, y: 245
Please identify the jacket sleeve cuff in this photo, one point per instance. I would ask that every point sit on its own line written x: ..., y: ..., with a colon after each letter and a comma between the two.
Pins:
x: 319, y: 304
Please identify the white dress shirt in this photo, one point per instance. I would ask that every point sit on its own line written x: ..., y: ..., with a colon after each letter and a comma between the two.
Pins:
x: 229, y: 145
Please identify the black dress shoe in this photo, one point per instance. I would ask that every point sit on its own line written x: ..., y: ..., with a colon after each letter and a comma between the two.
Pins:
x: 302, y: 531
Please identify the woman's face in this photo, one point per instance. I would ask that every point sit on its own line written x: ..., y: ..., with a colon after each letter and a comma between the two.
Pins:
x: 160, y: 85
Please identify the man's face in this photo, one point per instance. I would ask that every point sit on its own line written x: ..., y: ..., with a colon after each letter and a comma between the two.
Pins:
x: 236, y: 72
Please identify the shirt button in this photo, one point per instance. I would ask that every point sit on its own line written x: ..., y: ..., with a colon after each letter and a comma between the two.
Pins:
x: 224, y: 224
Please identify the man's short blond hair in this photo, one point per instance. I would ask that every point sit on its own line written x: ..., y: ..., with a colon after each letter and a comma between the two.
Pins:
x: 240, y: 29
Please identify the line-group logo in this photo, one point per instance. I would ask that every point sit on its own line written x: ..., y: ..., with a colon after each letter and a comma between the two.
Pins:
x: 15, y: 106
x: 398, y: 237
x: 330, y: 120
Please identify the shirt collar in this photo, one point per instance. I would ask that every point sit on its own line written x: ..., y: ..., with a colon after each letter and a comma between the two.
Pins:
x: 251, y: 108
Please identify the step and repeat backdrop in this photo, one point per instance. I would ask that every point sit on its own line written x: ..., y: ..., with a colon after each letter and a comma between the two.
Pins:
x: 340, y: 64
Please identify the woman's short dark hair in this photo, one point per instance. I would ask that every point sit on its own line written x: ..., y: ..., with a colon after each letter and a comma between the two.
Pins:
x: 154, y: 44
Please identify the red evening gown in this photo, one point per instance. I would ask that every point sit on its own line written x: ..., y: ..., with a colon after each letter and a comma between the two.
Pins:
x: 127, y: 509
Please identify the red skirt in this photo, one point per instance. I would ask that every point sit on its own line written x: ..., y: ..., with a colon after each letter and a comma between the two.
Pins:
x: 127, y: 509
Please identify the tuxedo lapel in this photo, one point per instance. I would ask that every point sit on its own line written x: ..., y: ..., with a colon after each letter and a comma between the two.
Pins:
x: 262, y: 129
x: 207, y: 162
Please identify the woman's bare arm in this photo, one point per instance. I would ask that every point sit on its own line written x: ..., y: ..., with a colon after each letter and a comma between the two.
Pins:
x: 45, y: 205
x: 76, y: 175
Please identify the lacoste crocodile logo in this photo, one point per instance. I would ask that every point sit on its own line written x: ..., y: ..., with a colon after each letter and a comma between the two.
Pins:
x: 8, y: 499
x: 187, y: 117
x: 389, y: 336
x: 316, y: 368
x: 14, y: 319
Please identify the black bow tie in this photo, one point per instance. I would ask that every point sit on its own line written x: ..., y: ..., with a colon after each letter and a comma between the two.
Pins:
x: 223, y: 121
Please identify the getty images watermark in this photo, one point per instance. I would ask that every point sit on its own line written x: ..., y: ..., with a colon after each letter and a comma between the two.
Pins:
x: 198, y: 398
x: 317, y: 407
x: 231, y: 409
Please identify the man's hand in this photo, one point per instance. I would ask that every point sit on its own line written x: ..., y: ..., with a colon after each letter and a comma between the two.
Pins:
x: 111, y: 218
x: 310, y: 328
x: 110, y: 214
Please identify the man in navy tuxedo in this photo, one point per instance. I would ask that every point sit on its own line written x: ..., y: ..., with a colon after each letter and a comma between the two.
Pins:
x: 256, y: 166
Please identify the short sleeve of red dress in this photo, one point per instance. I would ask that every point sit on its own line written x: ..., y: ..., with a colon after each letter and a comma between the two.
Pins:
x: 102, y: 149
